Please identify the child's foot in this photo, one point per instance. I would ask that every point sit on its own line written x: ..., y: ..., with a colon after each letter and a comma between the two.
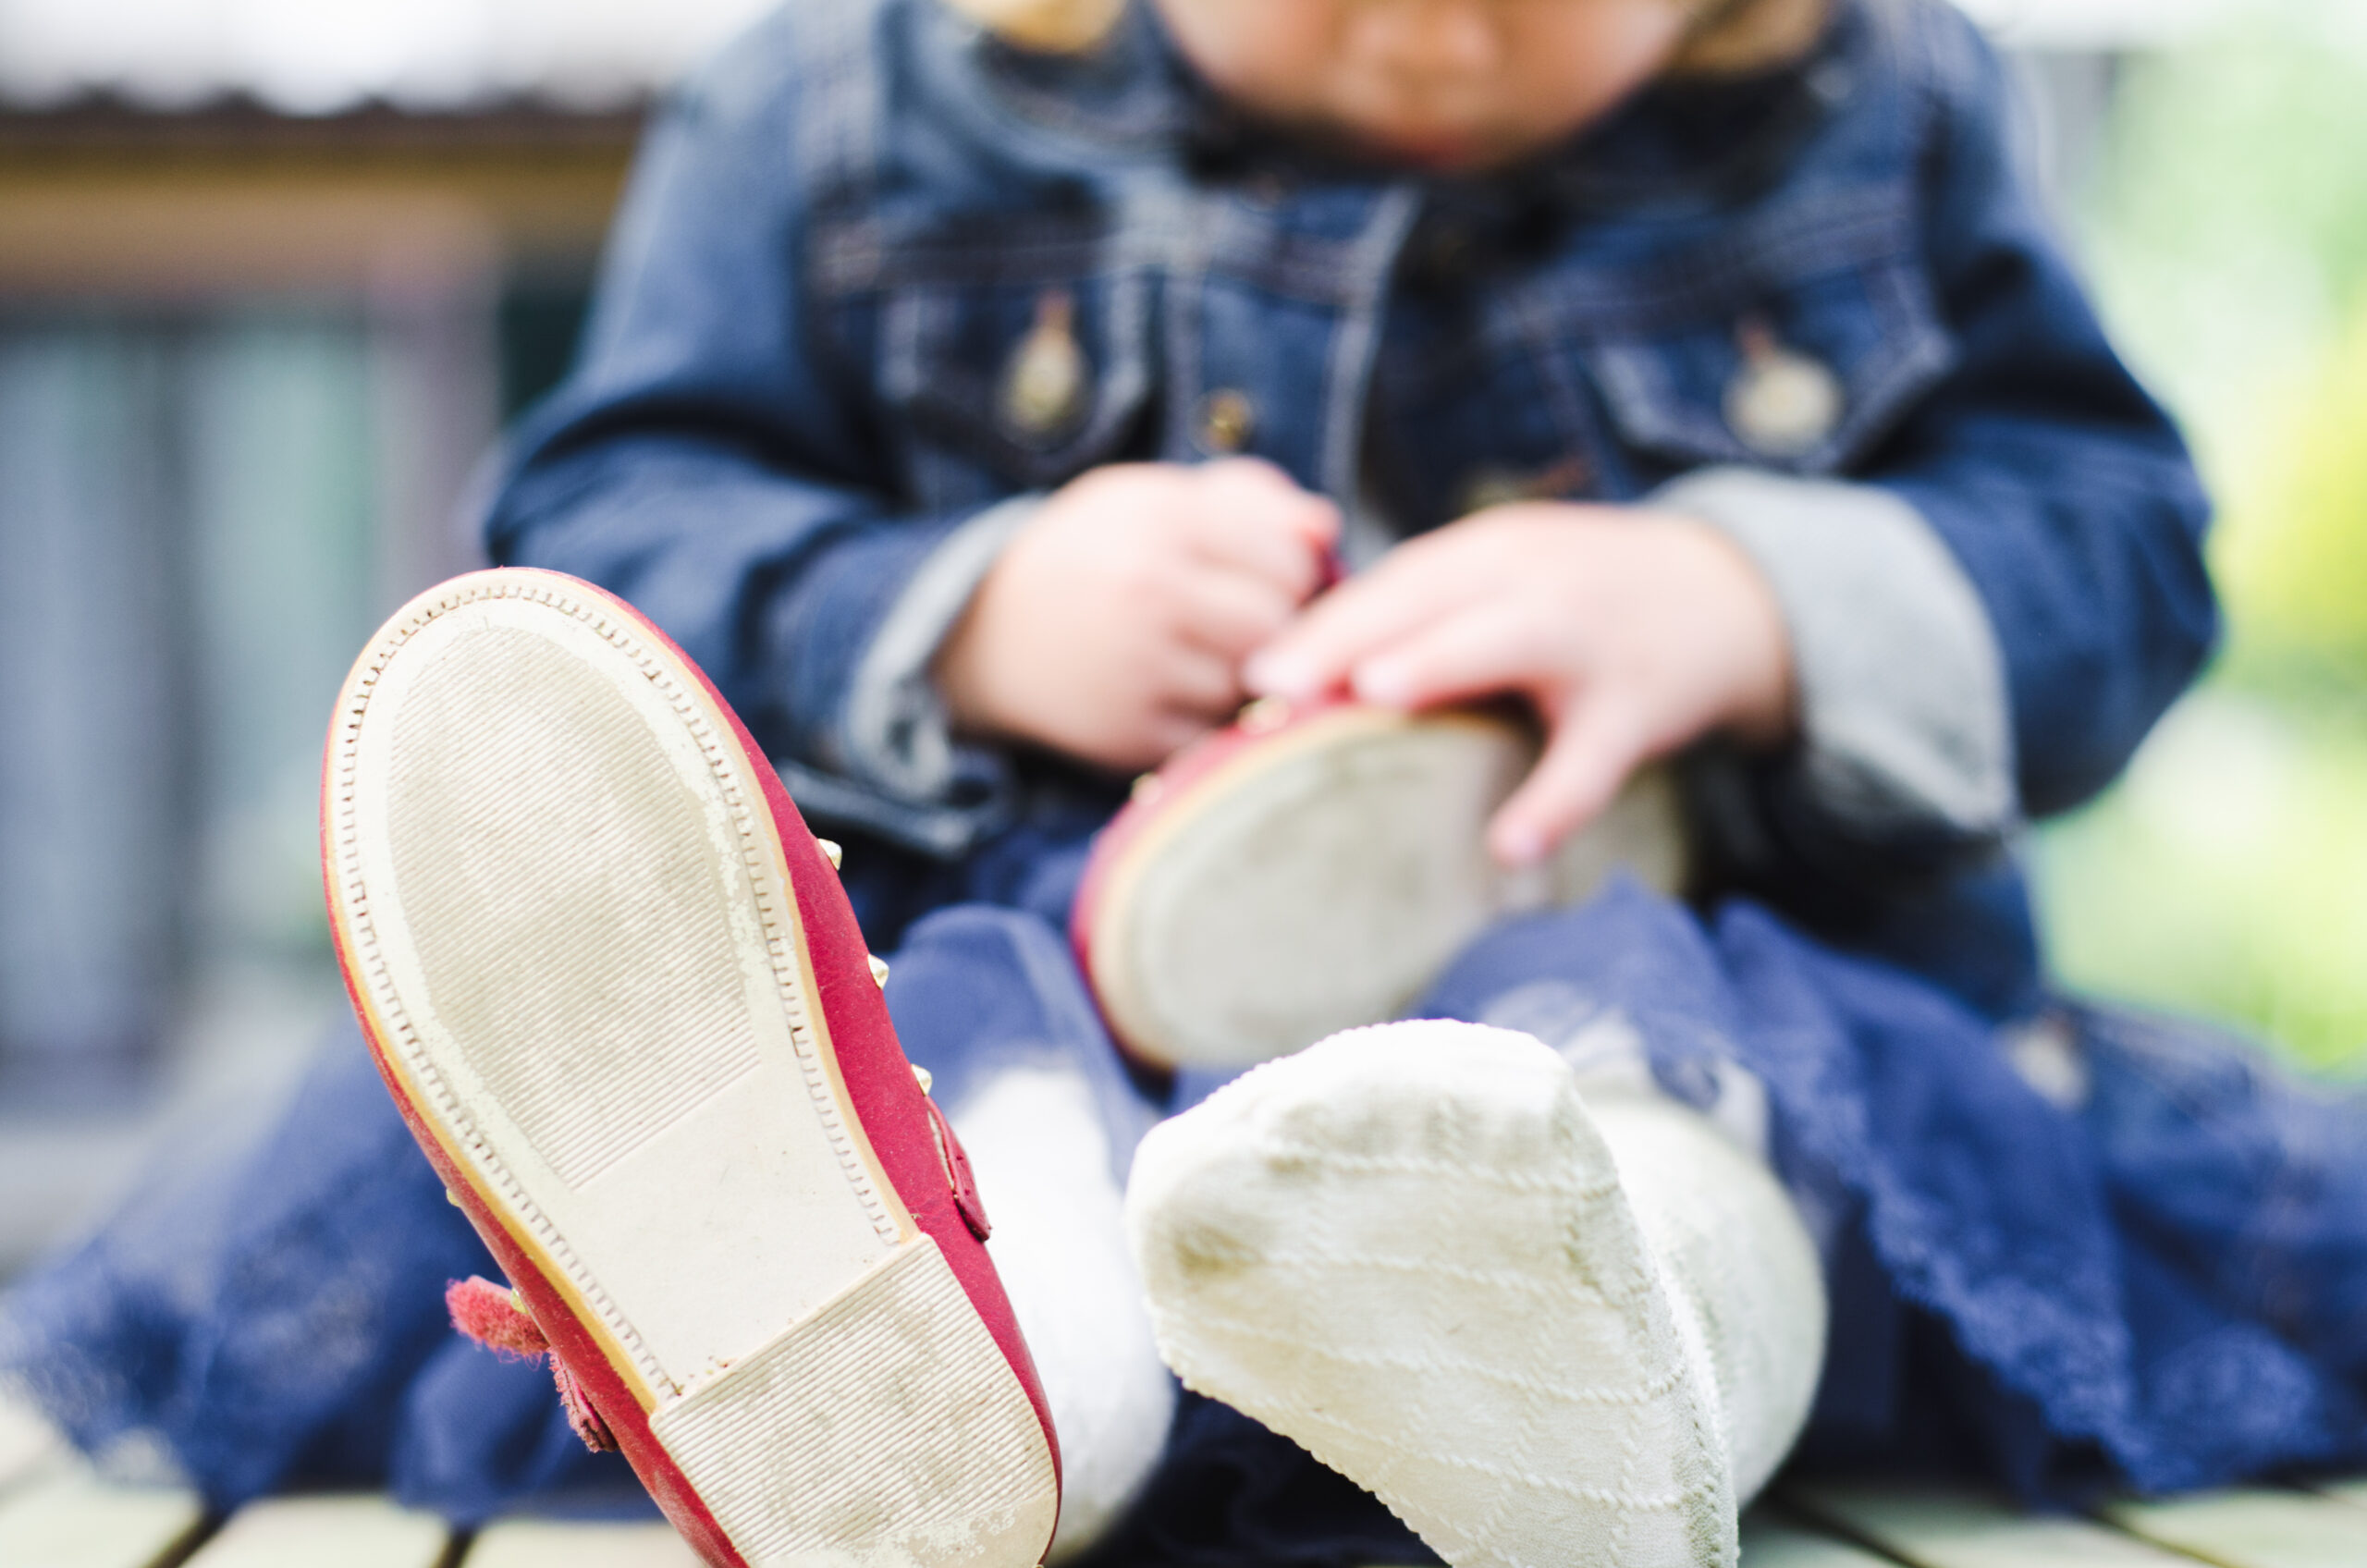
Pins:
x: 619, y: 996
x: 1307, y: 871
x: 1407, y: 1249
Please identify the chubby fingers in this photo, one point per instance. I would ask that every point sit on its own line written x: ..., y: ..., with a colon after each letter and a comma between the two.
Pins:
x: 1249, y: 517
x: 1411, y: 590
x: 1255, y: 488
x: 1467, y: 652
x: 1596, y: 733
x: 1592, y: 746
x: 1193, y: 682
x: 1230, y: 613
x: 1168, y: 698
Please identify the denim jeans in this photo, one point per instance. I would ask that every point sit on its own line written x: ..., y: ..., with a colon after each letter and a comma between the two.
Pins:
x: 2151, y: 1274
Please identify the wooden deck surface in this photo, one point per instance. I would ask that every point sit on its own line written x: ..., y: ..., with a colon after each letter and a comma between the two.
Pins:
x: 56, y: 1513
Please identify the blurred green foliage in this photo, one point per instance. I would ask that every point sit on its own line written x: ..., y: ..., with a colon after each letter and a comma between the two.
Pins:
x: 2292, y: 554
x: 2248, y: 137
x: 2227, y: 236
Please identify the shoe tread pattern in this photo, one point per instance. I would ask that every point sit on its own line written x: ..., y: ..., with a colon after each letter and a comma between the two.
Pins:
x: 367, y: 961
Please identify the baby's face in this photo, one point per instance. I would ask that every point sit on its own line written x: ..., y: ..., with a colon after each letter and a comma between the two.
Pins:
x: 1449, y: 84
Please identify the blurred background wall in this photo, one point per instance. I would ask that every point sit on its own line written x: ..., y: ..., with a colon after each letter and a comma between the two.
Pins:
x: 272, y: 277
x: 273, y: 274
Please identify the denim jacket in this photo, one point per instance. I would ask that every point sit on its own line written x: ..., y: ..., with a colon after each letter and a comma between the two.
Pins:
x: 1821, y: 309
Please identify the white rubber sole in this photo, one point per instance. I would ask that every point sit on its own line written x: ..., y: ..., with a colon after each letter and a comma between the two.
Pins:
x: 1324, y: 882
x: 1407, y: 1249
x: 566, y: 909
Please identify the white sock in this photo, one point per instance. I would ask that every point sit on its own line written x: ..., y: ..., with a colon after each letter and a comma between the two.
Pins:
x: 1737, y: 1262
x: 1042, y: 1161
x: 1539, y: 1335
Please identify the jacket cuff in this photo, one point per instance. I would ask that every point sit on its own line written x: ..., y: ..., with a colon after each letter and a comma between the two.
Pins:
x: 1905, y: 721
x: 896, y: 734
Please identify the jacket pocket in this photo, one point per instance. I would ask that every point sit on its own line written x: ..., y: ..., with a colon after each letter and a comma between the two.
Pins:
x: 1798, y: 349
x: 1011, y: 386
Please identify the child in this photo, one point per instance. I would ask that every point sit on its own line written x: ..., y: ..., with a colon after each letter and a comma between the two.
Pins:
x: 982, y: 410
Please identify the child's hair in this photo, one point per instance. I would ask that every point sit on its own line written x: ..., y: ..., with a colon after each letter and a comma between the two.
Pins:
x: 1729, y: 37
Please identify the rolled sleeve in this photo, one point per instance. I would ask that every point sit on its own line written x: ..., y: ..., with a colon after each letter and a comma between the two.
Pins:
x: 897, y: 734
x: 1906, y: 725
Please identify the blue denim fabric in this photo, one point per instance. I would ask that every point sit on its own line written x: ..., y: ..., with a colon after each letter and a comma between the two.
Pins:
x: 839, y: 235
x: 976, y: 991
x: 278, y: 1321
x: 788, y: 399
x: 2162, y: 1286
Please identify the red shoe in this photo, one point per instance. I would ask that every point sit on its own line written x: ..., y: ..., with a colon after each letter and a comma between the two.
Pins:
x: 617, y: 993
x: 1309, y: 870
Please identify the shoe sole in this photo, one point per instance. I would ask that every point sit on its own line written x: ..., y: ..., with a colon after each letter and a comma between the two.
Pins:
x: 1408, y: 1250
x: 567, y: 917
x: 1298, y: 875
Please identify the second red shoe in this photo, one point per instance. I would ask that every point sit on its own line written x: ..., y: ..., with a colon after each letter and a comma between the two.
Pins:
x: 1311, y: 869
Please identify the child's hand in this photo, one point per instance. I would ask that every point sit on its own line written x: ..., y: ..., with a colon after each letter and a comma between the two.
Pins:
x: 1632, y: 634
x: 1114, y: 625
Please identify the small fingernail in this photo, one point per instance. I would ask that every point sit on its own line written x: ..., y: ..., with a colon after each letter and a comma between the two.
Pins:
x: 1518, y: 847
x: 1383, y: 684
x: 1274, y: 675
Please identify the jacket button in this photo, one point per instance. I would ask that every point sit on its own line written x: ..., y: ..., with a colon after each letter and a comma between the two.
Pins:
x: 1046, y: 380
x: 1227, y: 419
x: 1781, y: 403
